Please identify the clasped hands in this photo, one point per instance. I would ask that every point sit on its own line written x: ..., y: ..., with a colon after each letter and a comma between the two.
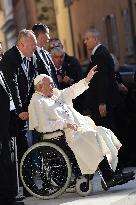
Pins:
x: 24, y: 115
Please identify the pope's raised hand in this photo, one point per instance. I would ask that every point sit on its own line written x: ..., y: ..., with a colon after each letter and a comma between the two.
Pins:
x: 91, y: 73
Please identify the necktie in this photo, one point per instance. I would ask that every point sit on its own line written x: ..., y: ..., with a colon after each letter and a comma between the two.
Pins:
x: 26, y: 65
x: 46, y: 60
x: 43, y: 54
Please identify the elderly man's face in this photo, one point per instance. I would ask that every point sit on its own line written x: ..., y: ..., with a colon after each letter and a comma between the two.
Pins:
x: 47, y: 87
x: 29, y: 45
x: 89, y: 40
x: 58, y: 59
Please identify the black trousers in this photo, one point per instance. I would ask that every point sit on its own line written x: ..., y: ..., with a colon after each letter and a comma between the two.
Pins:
x: 107, y: 121
x: 8, y: 186
x: 106, y: 170
x: 18, y: 129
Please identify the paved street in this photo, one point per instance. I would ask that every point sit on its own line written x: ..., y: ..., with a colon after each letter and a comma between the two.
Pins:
x: 119, y: 195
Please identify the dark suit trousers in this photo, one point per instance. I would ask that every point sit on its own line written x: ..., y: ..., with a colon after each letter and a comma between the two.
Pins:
x: 107, y: 121
x: 18, y: 129
x: 8, y: 185
x: 7, y: 167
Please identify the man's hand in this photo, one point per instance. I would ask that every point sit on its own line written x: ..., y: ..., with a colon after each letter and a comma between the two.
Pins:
x: 72, y: 126
x: 24, y: 115
x: 102, y: 110
x: 67, y: 79
x: 60, y: 79
x: 122, y: 88
x: 91, y: 73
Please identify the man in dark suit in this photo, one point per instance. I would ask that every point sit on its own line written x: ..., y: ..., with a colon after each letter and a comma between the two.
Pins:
x: 44, y: 62
x: 8, y: 182
x: 102, y: 95
x: 68, y: 67
x: 18, y: 66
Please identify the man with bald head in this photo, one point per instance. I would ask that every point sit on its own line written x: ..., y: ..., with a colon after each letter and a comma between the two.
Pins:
x: 19, y: 69
x: 18, y: 75
x: 102, y: 95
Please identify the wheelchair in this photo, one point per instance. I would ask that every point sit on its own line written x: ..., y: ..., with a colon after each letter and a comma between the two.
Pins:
x: 51, y: 169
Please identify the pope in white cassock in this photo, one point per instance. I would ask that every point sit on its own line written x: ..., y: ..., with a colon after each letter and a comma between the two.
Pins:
x: 51, y: 109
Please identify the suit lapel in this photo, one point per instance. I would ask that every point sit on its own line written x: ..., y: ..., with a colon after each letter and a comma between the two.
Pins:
x: 19, y: 62
x: 31, y: 72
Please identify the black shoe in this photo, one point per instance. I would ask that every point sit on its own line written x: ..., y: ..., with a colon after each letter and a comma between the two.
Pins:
x: 18, y: 203
x: 20, y: 198
x: 125, y: 174
x: 117, y: 180
x: 128, y: 174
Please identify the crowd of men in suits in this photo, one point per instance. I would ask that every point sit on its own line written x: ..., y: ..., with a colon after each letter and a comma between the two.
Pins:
x: 19, y: 66
x: 22, y: 63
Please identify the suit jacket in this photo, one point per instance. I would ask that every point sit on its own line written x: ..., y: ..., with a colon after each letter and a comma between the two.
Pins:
x: 20, y: 86
x: 72, y: 68
x: 103, y: 87
x: 5, y: 114
x: 41, y: 67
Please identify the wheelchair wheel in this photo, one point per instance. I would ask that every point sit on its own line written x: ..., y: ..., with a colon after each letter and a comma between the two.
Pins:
x: 45, y: 170
x: 82, y: 188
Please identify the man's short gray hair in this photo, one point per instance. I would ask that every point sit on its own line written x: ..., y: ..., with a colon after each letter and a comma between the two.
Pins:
x: 56, y: 50
x: 24, y: 34
x: 94, y: 32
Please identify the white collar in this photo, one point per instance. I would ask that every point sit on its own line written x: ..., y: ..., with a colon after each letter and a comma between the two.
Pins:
x: 95, y: 48
x: 39, y: 49
x: 22, y: 55
x: 40, y: 93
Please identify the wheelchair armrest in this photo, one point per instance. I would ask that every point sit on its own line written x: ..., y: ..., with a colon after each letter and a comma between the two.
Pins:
x: 50, y: 135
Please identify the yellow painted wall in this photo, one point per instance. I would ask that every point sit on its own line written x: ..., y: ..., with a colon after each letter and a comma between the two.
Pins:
x: 2, y: 37
x: 63, y: 25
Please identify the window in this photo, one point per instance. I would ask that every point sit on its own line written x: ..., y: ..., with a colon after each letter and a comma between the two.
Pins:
x: 111, y: 33
x: 68, y: 2
x: 115, y: 37
x: 128, y: 32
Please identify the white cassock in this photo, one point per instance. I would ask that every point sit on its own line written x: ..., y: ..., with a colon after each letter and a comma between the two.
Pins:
x: 89, y: 143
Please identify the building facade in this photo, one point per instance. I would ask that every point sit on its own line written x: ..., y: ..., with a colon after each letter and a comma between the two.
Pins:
x: 21, y: 14
x: 7, y: 26
x: 114, y: 19
x: 2, y: 37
